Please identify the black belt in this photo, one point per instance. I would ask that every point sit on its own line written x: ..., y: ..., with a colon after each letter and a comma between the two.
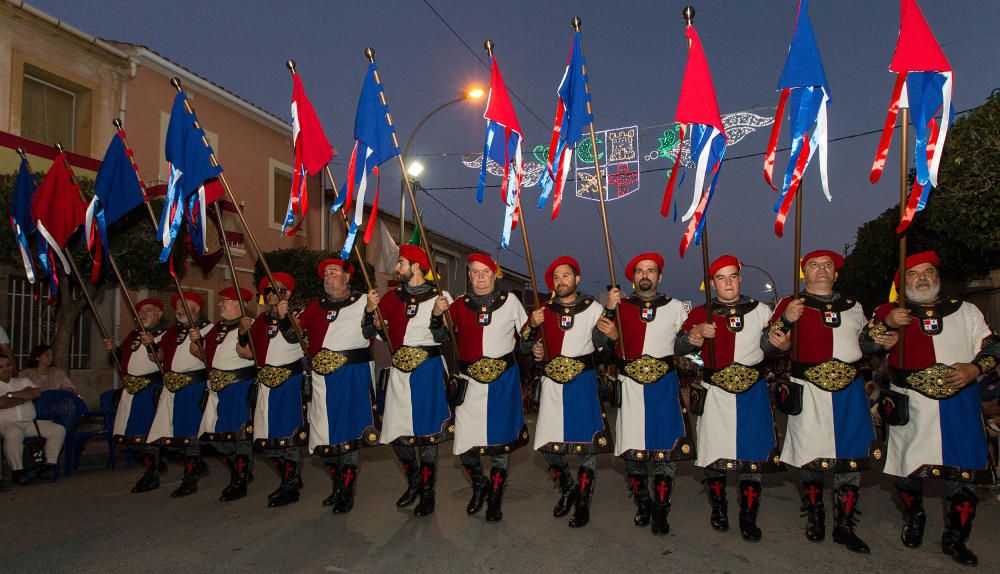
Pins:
x: 196, y: 376
x: 508, y: 359
x: 431, y: 350
x: 353, y: 356
x: 295, y: 367
x: 242, y: 374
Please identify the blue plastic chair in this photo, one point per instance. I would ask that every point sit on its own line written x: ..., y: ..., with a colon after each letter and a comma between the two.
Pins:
x: 68, y: 410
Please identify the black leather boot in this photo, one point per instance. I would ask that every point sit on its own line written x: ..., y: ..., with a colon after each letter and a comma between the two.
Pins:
x: 150, y: 479
x: 412, y: 471
x: 498, y: 481
x: 581, y: 516
x: 662, y: 490
x: 716, y: 488
x: 238, y: 479
x: 638, y: 485
x: 961, y: 512
x: 291, y: 483
x: 812, y: 506
x: 192, y: 472
x: 480, y: 487
x: 914, y: 518
x: 426, y: 505
x: 278, y: 464
x: 749, y: 506
x: 333, y: 471
x: 843, y: 529
x: 567, y: 490
x: 345, y: 502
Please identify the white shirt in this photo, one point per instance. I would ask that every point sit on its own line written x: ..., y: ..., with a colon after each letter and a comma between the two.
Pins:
x: 22, y: 412
x: 4, y: 339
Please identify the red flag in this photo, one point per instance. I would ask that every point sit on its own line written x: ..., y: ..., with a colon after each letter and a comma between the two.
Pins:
x: 308, y: 132
x: 58, y: 208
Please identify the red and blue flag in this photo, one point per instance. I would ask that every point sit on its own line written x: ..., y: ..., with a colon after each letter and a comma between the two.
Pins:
x: 698, y: 114
x: 803, y: 85
x: 192, y: 183
x: 312, y: 152
x: 21, y: 222
x: 572, y: 116
x: 58, y: 211
x: 374, y: 145
x: 924, y: 85
x: 503, y: 145
x: 117, y: 191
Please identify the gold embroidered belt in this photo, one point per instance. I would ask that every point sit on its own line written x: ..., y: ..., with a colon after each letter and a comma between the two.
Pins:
x: 407, y: 359
x: 563, y: 369
x: 219, y: 379
x: 327, y: 361
x: 486, y: 369
x: 735, y: 378
x: 927, y: 382
x: 134, y: 384
x: 647, y: 369
x: 273, y: 377
x: 175, y: 381
x: 832, y: 375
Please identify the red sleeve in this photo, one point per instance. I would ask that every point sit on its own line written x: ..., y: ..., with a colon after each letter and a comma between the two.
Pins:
x: 780, y: 310
x: 882, y: 311
x: 695, y: 317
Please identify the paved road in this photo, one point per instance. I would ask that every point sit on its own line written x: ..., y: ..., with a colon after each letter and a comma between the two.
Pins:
x: 91, y: 522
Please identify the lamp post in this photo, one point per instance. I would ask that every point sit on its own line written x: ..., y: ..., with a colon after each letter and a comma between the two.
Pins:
x: 471, y: 94
x: 769, y: 286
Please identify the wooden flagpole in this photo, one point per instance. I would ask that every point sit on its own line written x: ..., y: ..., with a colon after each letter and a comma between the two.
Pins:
x: 903, y: 170
x: 576, y: 23
x: 527, y: 245
x: 370, y: 54
x: 290, y: 64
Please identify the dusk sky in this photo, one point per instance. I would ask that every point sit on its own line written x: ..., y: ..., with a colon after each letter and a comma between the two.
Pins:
x: 635, y: 53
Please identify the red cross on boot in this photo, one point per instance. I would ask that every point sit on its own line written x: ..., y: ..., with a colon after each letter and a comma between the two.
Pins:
x: 637, y: 485
x: 812, y: 505
x: 914, y: 518
x: 345, y: 502
x: 498, y: 481
x: 662, y: 486
x: 843, y: 530
x: 426, y: 505
x: 961, y: 512
x: 581, y: 516
x: 749, y: 507
x: 720, y: 504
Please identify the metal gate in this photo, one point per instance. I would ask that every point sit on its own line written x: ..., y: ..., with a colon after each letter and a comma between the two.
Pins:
x: 31, y: 321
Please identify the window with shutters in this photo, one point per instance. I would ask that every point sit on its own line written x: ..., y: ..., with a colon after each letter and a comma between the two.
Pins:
x: 55, y: 110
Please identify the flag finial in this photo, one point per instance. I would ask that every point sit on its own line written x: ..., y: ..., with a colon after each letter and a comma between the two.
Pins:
x: 488, y: 45
x: 370, y: 54
x: 576, y: 22
x: 290, y: 63
x: 688, y: 14
x: 117, y: 123
x: 20, y: 151
x: 176, y: 83
x: 59, y: 147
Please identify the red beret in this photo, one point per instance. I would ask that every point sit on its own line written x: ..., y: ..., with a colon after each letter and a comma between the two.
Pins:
x: 149, y: 301
x: 918, y: 258
x: 485, y: 260
x: 838, y: 259
x: 284, y: 278
x: 414, y: 254
x: 563, y: 260
x: 190, y: 296
x: 651, y: 256
x: 230, y: 293
x: 347, y: 266
x: 722, y: 262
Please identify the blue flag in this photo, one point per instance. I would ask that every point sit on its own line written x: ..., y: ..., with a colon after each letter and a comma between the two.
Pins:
x: 374, y: 145
x: 571, y: 117
x: 20, y: 215
x: 190, y: 167
x: 116, y: 193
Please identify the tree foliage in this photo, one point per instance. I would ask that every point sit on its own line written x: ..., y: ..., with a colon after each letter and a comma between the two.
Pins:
x: 961, y: 221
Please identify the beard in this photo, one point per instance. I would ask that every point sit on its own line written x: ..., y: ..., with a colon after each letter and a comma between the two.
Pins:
x: 404, y: 277
x: 644, y: 285
x: 924, y: 292
x: 565, y: 290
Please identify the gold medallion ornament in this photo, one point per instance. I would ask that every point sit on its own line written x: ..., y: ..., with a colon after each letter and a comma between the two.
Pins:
x: 602, y: 441
x: 987, y: 363
x: 735, y: 378
x: 327, y: 361
x: 646, y: 369
x: 273, y: 377
x: 406, y: 359
x: 563, y: 369
x: 832, y: 375
x: 176, y: 381
x: 877, y: 453
x: 686, y: 448
x: 929, y: 382
x: 487, y: 369
x: 134, y: 384
x: 218, y: 380
x: 877, y: 329
x: 776, y: 326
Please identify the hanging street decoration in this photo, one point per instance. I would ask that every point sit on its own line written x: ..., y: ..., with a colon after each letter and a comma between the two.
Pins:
x: 620, y: 156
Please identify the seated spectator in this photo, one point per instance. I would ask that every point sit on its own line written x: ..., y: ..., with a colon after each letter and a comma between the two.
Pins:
x: 41, y: 372
x: 17, y: 420
x: 5, y: 349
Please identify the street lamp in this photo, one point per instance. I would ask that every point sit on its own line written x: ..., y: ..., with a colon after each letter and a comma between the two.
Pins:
x: 471, y: 94
x: 770, y: 286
